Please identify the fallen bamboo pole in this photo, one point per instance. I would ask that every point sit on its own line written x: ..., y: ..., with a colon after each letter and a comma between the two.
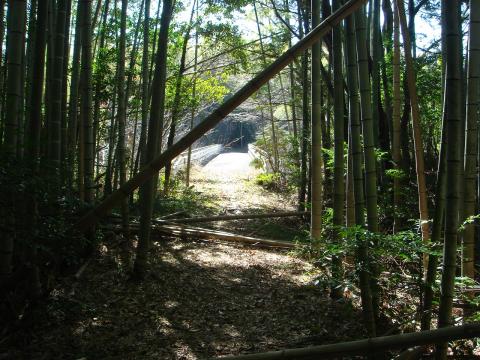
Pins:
x: 230, y: 104
x: 208, y: 234
x: 369, y: 346
x: 179, y: 230
x: 239, y: 217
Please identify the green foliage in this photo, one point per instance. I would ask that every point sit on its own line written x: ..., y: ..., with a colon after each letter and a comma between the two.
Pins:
x: 395, y: 174
x: 289, y: 173
x: 269, y: 181
x: 181, y: 198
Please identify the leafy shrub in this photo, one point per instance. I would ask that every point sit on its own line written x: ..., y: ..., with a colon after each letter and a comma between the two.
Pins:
x: 269, y: 181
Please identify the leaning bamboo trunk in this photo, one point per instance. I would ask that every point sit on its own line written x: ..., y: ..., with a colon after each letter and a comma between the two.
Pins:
x: 368, y: 346
x: 417, y: 134
x: 471, y: 145
x: 453, y: 110
x: 230, y: 104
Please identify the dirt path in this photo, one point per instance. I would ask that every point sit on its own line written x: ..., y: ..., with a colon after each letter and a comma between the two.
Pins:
x: 200, y: 300
x: 231, y: 178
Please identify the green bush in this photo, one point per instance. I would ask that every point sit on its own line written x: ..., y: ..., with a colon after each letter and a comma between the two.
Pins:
x: 269, y: 181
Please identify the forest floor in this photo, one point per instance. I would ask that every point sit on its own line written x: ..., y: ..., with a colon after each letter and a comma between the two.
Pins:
x: 200, y: 299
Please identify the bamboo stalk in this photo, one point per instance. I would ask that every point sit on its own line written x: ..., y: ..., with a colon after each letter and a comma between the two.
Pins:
x: 239, y: 217
x: 216, y: 116
x: 369, y: 346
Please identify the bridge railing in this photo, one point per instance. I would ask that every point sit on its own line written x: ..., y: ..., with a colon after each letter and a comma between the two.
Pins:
x: 199, y: 156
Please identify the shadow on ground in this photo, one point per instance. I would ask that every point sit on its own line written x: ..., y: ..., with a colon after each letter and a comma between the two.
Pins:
x: 200, y: 300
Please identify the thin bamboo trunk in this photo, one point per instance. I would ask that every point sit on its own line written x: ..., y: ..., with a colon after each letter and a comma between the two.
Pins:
x: 145, y: 85
x: 339, y: 141
x: 316, y: 147
x: 177, y: 98
x: 122, y: 115
x: 375, y: 67
x: 64, y: 97
x: 73, y: 101
x: 86, y: 100
x: 269, y: 96
x: 305, y: 120
x: 396, y: 120
x: 194, y: 94
x: 471, y: 144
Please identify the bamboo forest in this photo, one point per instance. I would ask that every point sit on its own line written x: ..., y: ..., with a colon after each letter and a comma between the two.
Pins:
x: 239, y: 179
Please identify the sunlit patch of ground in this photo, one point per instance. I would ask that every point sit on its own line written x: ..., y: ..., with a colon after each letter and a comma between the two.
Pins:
x: 230, y: 176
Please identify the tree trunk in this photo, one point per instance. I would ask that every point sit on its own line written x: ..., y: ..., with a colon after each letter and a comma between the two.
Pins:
x: 269, y: 93
x: 417, y: 135
x: 32, y: 146
x: 122, y: 116
x: 86, y: 102
x: 147, y: 191
x: 396, y: 121
x: 73, y: 101
x: 55, y: 120
x: 316, y: 147
x: 15, y: 45
x: 354, y: 119
x: 145, y: 83
x: 453, y: 110
x: 368, y: 141
x: 305, y: 119
x: 194, y: 93
x: 339, y: 139
x: 471, y: 145
x: 15, y: 36
x: 176, y: 99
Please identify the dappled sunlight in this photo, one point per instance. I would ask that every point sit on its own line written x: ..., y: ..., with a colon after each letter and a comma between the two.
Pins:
x: 213, y: 299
